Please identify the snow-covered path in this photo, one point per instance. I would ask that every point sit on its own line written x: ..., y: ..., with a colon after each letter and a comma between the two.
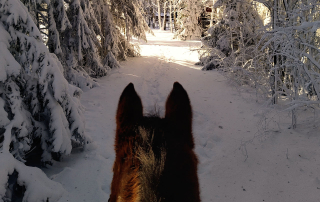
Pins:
x: 281, y: 166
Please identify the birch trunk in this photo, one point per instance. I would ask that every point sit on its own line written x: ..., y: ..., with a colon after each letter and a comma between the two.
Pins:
x: 153, y: 20
x: 159, y: 14
x: 164, y: 15
x: 170, y: 17
x: 174, y: 16
x: 211, y: 20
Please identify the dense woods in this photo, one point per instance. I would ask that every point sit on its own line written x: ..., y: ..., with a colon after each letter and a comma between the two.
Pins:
x: 53, y: 50
x: 277, y: 56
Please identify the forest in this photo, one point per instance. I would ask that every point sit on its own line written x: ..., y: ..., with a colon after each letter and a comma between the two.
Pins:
x: 55, y: 53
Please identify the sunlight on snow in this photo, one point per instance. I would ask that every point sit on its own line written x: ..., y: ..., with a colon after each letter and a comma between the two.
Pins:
x: 163, y: 46
x: 132, y: 75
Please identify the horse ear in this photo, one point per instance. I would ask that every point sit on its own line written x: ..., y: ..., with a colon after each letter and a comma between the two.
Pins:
x: 129, y: 107
x: 178, y: 109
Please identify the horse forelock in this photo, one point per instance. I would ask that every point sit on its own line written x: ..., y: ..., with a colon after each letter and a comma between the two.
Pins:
x: 151, y: 153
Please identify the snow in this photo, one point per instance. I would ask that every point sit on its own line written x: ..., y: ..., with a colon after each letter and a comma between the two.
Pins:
x: 3, y: 119
x: 238, y: 160
x: 8, y: 66
x: 59, y: 125
x: 38, y: 186
x: 18, y: 12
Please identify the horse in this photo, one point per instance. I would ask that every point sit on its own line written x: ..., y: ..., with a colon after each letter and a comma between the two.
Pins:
x: 155, y: 161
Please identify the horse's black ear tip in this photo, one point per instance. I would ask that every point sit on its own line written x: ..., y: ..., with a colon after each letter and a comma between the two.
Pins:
x: 177, y: 85
x: 128, y: 91
x: 129, y: 87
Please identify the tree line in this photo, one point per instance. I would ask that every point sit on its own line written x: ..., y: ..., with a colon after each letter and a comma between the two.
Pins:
x: 278, y: 56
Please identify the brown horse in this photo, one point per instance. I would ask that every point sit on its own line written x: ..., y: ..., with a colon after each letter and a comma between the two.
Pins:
x: 155, y: 160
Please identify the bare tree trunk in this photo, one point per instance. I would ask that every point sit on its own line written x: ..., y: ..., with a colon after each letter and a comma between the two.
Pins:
x: 164, y: 16
x: 170, y: 17
x: 211, y: 20
x: 159, y: 15
x: 174, y: 16
x: 275, y: 58
x: 153, y: 20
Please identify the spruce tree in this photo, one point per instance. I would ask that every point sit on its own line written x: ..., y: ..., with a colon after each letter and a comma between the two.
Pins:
x: 128, y: 18
x: 40, y: 111
x: 82, y: 52
x: 109, y: 37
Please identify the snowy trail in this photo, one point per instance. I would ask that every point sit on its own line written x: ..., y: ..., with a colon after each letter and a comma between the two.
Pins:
x: 222, y: 120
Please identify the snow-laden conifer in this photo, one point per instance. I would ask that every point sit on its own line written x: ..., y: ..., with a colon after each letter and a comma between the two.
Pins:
x: 110, y: 34
x: 39, y: 109
x: 187, y: 20
x: 82, y: 52
x: 290, y: 56
x: 232, y: 39
x: 130, y: 22
x: 55, y: 27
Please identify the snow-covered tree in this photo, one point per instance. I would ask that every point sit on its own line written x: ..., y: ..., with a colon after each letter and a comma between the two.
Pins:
x: 187, y: 20
x: 149, y: 8
x: 81, y: 39
x: 128, y: 17
x: 114, y: 46
x: 94, y: 34
x: 89, y: 37
x: 109, y: 39
x: 292, y: 50
x: 39, y: 110
x: 165, y: 7
x: 52, y: 21
x: 81, y: 33
x: 232, y: 40
x: 281, y: 63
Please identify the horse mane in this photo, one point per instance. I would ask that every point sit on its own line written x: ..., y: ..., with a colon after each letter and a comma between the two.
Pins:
x: 151, y: 166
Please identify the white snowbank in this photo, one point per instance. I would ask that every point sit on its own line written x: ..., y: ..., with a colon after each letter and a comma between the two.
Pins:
x: 38, y: 186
